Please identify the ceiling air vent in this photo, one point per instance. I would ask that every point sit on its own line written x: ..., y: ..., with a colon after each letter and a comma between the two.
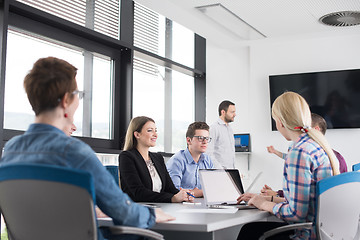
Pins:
x: 341, y: 19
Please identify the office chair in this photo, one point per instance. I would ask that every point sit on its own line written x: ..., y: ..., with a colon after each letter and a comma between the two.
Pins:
x: 337, y: 209
x: 356, y: 167
x: 114, y: 171
x: 52, y: 202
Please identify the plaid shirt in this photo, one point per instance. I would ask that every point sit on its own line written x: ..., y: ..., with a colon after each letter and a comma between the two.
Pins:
x: 306, y: 164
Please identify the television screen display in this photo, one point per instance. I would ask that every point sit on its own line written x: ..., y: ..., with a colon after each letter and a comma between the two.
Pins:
x: 334, y: 95
x: 242, y: 142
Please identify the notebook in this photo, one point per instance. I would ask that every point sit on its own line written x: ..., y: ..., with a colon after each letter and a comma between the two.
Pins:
x: 221, y: 187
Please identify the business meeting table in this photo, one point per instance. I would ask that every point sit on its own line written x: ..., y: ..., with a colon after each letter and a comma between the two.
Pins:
x: 196, y: 221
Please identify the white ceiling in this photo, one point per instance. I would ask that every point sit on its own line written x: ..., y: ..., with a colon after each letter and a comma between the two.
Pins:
x: 273, y: 18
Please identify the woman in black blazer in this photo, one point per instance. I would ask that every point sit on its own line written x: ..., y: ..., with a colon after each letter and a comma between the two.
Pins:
x: 143, y: 174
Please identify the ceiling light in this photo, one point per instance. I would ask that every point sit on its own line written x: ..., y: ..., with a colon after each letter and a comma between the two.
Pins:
x: 232, y: 22
x: 341, y: 19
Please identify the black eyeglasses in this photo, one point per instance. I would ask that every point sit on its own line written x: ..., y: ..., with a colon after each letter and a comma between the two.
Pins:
x: 80, y: 94
x: 202, y: 138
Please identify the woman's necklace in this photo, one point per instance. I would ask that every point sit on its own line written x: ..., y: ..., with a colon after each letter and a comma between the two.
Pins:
x: 150, y: 165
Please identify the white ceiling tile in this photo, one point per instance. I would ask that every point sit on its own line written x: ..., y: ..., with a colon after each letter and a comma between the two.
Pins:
x: 273, y: 18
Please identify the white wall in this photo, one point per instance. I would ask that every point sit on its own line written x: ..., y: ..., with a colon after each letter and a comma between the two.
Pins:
x: 241, y: 75
x: 228, y: 79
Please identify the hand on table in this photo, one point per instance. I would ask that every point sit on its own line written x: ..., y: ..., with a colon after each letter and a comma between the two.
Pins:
x: 161, y: 216
x: 197, y: 192
x: 183, y: 196
x: 99, y: 213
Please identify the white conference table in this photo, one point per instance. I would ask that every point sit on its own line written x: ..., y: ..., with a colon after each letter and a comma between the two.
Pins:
x: 193, y: 222
x: 202, y: 225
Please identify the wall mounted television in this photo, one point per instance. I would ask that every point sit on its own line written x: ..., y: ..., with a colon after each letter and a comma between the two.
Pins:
x: 335, y: 95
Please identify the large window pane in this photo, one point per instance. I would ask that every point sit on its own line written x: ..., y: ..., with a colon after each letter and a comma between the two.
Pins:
x: 18, y: 112
x: 100, y: 15
x: 102, y: 98
x: 153, y: 32
x: 93, y: 118
x: 157, y: 92
x: 183, y: 103
x: 149, y: 30
x: 107, y: 17
x: 148, y: 96
x: 71, y: 10
x: 183, y: 45
x: 153, y: 97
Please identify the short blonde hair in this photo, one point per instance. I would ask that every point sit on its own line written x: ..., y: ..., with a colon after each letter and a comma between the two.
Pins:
x: 292, y: 111
x: 136, y: 125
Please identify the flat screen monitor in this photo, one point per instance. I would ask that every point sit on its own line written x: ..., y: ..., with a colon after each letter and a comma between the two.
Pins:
x: 242, y: 142
x: 334, y: 95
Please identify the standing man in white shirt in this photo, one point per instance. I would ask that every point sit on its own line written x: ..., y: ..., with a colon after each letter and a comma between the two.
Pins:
x: 222, y: 147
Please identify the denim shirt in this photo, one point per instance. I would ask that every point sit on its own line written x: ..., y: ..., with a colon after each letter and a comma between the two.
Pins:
x: 184, y: 171
x: 46, y: 144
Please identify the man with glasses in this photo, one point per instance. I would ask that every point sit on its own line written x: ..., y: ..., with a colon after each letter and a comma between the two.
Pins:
x: 184, y: 166
x: 222, y: 149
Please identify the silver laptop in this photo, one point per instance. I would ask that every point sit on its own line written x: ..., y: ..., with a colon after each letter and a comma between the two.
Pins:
x: 222, y: 187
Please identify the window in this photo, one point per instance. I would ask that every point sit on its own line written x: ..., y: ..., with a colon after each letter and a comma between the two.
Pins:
x: 157, y: 34
x: 3, y: 232
x: 100, y: 15
x: 161, y: 82
x: 182, y: 45
x: 18, y: 114
x: 183, y: 108
x: 148, y: 96
x: 166, y: 95
x: 149, y: 30
x: 101, y: 117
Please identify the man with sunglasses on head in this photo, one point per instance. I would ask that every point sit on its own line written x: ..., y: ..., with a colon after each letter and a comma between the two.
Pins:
x: 184, y: 166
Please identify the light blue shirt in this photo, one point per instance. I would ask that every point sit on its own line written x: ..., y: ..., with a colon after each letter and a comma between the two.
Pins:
x: 184, y: 171
x: 46, y: 144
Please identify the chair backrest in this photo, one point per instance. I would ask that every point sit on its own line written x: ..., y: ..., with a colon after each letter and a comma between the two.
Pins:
x: 47, y: 202
x: 356, y: 167
x: 338, y: 207
x: 114, y: 171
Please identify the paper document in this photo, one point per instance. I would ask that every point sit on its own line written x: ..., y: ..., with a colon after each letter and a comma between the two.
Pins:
x: 208, y: 210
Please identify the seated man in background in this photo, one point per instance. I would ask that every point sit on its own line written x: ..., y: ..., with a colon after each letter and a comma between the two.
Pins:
x: 184, y: 166
x: 318, y: 123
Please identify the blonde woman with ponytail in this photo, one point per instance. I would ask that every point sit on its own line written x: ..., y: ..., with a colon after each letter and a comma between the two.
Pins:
x: 309, y: 160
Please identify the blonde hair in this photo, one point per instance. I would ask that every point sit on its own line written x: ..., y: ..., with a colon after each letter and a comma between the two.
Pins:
x: 292, y: 111
x: 136, y: 125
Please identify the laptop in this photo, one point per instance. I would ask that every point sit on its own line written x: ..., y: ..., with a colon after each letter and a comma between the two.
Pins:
x: 221, y: 187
